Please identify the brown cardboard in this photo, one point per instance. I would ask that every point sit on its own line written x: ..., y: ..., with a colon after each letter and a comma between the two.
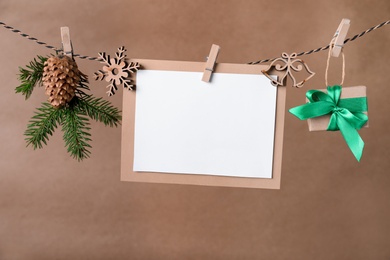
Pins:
x: 329, y: 206
x: 127, y: 173
x: 321, y: 123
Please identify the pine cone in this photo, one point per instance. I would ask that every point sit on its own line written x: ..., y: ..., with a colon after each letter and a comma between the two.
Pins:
x: 61, y: 77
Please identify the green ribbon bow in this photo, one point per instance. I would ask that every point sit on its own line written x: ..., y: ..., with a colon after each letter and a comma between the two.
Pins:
x: 346, y: 114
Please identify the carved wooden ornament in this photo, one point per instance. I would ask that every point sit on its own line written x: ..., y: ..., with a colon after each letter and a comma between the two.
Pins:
x: 289, y: 64
x: 116, y: 71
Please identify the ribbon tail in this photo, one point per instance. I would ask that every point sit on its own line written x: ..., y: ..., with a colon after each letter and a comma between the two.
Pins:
x: 352, y: 137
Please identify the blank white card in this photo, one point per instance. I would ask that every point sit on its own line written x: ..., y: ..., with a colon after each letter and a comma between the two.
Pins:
x: 186, y: 126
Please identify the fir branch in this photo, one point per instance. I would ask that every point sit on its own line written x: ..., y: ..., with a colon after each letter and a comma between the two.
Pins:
x: 100, y: 110
x: 42, y: 125
x: 31, y: 76
x: 82, y: 87
x: 73, y: 117
x: 76, y: 132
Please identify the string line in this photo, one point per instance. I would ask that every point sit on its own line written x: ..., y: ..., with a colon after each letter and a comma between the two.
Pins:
x: 327, y: 46
x: 331, y: 44
x: 250, y: 63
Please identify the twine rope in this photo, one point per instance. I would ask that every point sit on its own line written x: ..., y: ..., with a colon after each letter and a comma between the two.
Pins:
x: 250, y: 63
x: 28, y: 37
x: 327, y: 47
x: 331, y: 44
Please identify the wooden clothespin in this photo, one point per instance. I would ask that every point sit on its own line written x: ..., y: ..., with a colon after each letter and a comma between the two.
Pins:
x: 66, y: 43
x: 211, y: 60
x: 340, y: 36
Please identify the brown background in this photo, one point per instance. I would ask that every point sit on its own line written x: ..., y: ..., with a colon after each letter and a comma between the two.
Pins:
x: 329, y: 206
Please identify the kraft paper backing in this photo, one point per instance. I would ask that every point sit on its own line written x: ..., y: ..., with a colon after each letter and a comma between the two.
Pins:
x: 128, y: 123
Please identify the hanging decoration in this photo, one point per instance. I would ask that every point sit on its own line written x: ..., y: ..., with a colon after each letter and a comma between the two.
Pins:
x: 288, y: 64
x: 116, y: 71
x: 348, y: 114
x: 69, y: 104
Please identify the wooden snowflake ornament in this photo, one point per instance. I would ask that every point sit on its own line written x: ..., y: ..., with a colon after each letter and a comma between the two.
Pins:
x: 116, y: 71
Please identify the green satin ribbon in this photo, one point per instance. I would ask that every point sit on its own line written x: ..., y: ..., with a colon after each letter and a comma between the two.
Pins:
x: 346, y: 114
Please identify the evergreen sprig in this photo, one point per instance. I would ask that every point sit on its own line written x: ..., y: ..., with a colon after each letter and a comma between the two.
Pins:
x: 100, y: 110
x: 31, y: 76
x: 73, y: 117
x: 83, y: 86
x: 42, y: 125
x: 76, y: 131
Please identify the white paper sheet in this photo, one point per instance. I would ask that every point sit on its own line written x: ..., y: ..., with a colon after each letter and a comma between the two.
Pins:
x: 184, y: 125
